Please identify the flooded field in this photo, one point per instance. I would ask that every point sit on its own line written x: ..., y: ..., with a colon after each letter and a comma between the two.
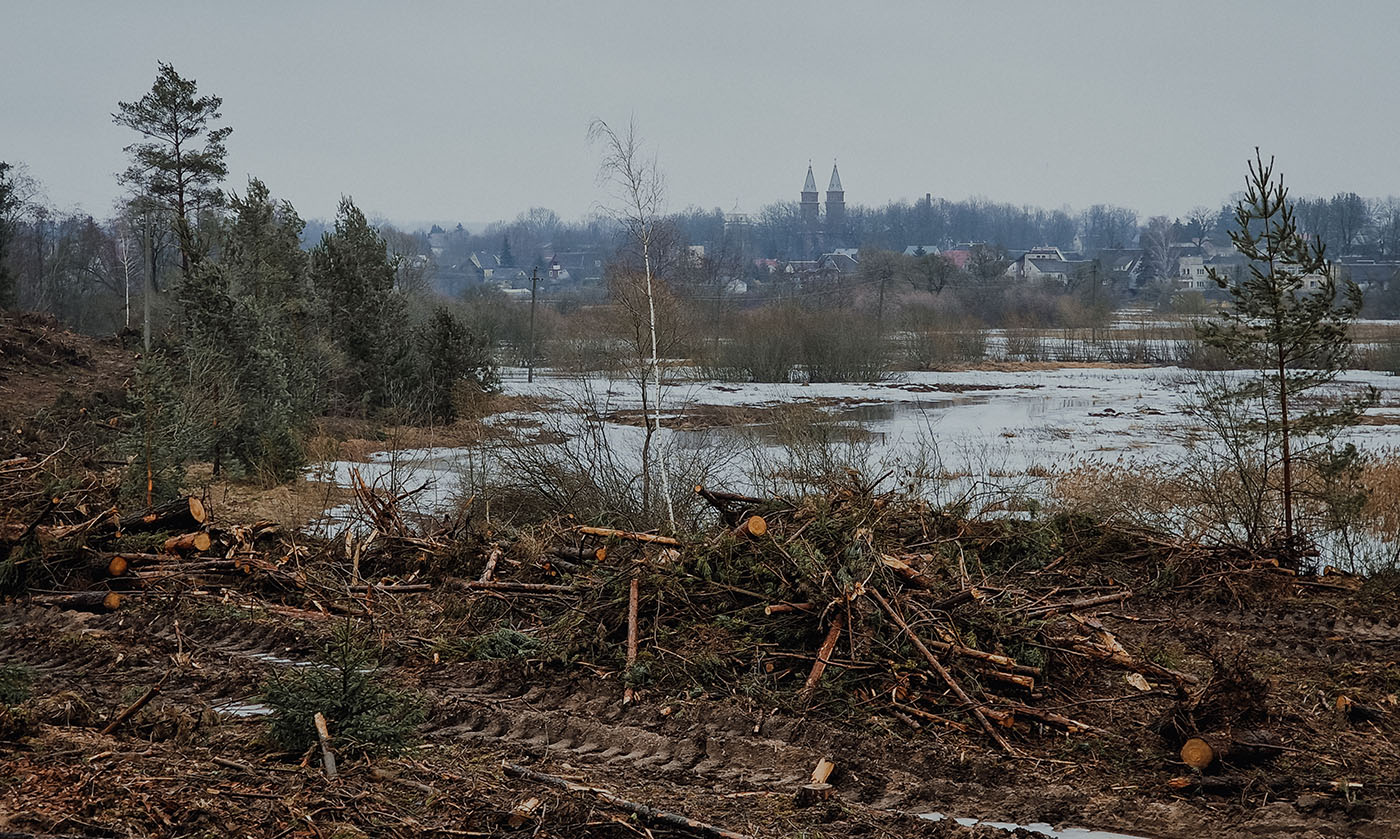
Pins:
x: 1005, y: 430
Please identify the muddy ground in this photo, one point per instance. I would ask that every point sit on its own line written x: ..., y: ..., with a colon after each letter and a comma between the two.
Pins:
x: 714, y: 758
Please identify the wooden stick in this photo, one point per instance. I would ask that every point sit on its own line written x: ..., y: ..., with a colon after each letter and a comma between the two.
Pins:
x: 1052, y: 718
x: 131, y: 709
x: 391, y: 589
x: 931, y: 717
x: 536, y: 588
x: 783, y: 608
x: 644, y: 812
x: 943, y: 673
x: 823, y: 657
x: 633, y: 601
x: 491, y: 560
x: 610, y: 533
x: 1076, y: 604
x: 323, y: 734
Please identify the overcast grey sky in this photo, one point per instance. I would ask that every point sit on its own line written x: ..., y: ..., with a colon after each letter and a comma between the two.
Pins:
x: 477, y: 111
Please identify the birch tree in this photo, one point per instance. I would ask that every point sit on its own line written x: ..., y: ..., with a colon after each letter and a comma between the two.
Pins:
x: 638, y: 193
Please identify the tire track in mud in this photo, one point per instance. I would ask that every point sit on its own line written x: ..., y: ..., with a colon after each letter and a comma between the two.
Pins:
x: 585, y: 726
x: 580, y: 722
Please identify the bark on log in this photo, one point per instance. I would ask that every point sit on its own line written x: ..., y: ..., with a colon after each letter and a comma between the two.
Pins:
x: 190, y: 542
x: 81, y: 601
x: 491, y: 559
x: 646, y: 813
x: 810, y: 794
x: 180, y: 514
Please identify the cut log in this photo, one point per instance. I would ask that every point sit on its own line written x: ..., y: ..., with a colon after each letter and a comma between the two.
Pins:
x: 627, y: 535
x: 754, y: 527
x: 822, y: 771
x: 188, y: 543
x: 180, y: 514
x: 823, y: 658
x: 1051, y: 718
x: 718, y: 498
x: 81, y: 601
x: 1197, y: 754
x: 909, y: 573
x: 1050, y: 608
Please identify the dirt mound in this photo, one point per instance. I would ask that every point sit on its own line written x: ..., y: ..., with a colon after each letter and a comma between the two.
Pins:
x: 39, y: 360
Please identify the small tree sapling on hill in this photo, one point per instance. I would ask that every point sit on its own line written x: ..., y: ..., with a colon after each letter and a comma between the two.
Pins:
x: 1288, y: 324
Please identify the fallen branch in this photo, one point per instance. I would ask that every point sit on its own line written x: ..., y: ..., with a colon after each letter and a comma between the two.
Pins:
x: 131, y: 709
x: 943, y: 673
x: 823, y: 658
x: 1075, y: 604
x: 646, y: 813
x: 628, y: 535
x: 496, y: 585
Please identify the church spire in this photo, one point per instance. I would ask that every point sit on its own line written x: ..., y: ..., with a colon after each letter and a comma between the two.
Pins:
x: 835, y: 185
x: 811, y: 184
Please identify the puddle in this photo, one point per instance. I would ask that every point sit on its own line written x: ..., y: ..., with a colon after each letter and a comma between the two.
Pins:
x: 1040, y: 828
x: 243, y: 710
x: 276, y: 659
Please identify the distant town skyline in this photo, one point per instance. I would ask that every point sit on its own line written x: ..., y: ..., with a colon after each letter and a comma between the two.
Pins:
x: 474, y: 112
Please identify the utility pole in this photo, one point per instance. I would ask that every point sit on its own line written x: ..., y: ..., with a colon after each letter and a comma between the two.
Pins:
x: 534, y: 288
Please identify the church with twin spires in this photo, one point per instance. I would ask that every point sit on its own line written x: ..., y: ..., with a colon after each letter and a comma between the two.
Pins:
x: 823, y: 232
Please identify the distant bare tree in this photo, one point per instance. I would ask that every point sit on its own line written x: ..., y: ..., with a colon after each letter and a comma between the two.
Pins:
x: 1200, y: 222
